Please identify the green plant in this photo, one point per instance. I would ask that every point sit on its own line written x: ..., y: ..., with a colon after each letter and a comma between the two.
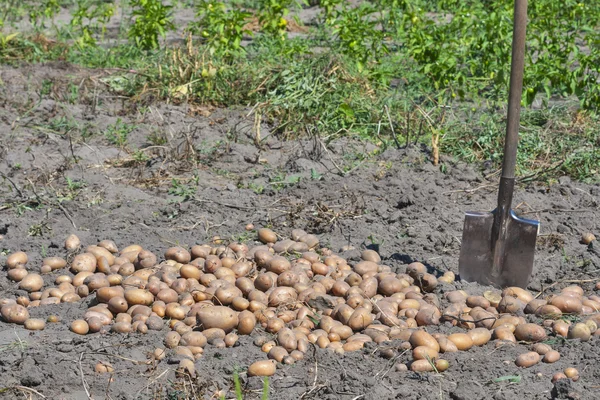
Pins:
x: 117, y: 133
x: 184, y: 192
x: 38, y: 14
x: 221, y: 29
x: 357, y: 34
x: 271, y: 15
x: 152, y: 19
x: 90, y: 18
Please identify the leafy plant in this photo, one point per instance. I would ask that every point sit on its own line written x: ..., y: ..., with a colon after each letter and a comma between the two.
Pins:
x: 90, y: 18
x: 117, y: 133
x: 152, y: 19
x: 221, y: 29
x: 38, y: 14
x: 271, y: 16
x: 357, y: 34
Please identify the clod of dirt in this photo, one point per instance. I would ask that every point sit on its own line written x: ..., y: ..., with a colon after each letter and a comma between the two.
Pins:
x: 563, y: 389
x: 467, y: 391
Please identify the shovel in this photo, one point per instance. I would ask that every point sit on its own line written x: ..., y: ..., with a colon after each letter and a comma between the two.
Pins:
x: 498, y: 247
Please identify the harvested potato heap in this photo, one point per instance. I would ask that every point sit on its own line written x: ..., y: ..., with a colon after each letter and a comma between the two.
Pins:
x: 299, y: 295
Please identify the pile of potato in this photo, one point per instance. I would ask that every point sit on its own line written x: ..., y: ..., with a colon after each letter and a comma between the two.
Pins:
x: 298, y: 295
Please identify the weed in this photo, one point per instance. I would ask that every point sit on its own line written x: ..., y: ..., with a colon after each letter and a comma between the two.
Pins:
x: 117, y: 133
x: 182, y: 191
x: 271, y: 16
x: 39, y: 229
x: 152, y: 19
x: 90, y: 18
x: 314, y: 175
x: 157, y: 138
x: 221, y: 29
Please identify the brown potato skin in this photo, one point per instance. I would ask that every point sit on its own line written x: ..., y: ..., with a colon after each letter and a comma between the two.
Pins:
x: 528, y: 359
x: 262, y: 368
x: 14, y: 313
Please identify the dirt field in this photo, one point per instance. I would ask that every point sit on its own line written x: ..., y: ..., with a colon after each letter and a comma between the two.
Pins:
x: 398, y: 204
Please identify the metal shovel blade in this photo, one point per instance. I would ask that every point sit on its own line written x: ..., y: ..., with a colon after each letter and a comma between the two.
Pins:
x: 477, y: 250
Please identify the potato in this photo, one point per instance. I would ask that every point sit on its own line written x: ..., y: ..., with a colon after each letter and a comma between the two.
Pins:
x: 144, y: 259
x: 456, y: 296
x: 579, y: 331
x: 541, y: 348
x: 226, y: 294
x: 528, y: 359
x: 121, y: 327
x: 370, y: 255
x: 281, y: 296
x: 548, y: 311
x: 571, y: 373
x: 262, y: 368
x: 421, y: 366
x: 167, y: 296
x: 567, y: 304
x: 278, y: 353
x: 360, y: 319
x: 218, y: 317
x: 278, y: 264
x: 14, y: 313
x: 17, y: 274
x: 266, y: 235
x: 477, y: 301
x: 446, y: 346
x: 287, y: 339
x: 138, y: 296
x: 510, y: 305
x: 558, y: 376
x: 117, y: 305
x: 480, y: 336
x: 587, y: 238
x: 16, y: 260
x: 428, y: 316
x: 196, y: 339
x: 551, y: 357
x: 246, y: 322
x: 530, y: 333
x: 424, y: 352
x: 365, y: 267
x: 104, y: 294
x: 84, y: 262
x: 519, y: 293
x: 100, y: 252
x: 178, y: 254
x: 409, y: 304
x: 186, y: 367
x: 55, y: 262
x: 72, y: 243
x: 172, y: 340
x: 70, y: 298
x: 462, y: 341
x: 34, y: 324
x: 422, y: 338
x: 94, y: 323
x: 80, y: 327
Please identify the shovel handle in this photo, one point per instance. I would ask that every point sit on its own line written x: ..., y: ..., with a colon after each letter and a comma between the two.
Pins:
x: 515, y: 89
x: 507, y: 181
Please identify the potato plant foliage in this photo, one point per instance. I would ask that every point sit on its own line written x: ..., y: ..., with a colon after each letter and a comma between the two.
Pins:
x: 430, y: 65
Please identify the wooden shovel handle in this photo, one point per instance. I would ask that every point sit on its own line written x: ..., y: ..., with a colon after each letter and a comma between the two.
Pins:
x: 516, y: 89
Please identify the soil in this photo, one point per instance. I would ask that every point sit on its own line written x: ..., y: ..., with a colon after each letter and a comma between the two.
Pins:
x: 395, y: 202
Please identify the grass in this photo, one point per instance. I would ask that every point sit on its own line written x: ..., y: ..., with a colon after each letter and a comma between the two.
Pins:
x: 347, y: 77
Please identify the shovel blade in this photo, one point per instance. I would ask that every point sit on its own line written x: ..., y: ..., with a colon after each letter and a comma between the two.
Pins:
x: 477, y: 251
